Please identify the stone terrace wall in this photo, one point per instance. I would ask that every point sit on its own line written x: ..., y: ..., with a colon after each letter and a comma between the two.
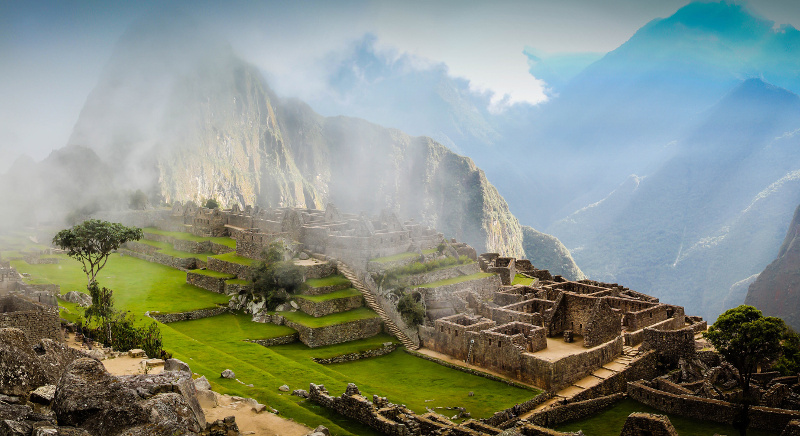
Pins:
x: 327, y: 307
x: 764, y: 418
x: 35, y: 320
x: 243, y: 272
x: 574, y: 411
x: 318, y: 270
x: 280, y: 340
x: 351, y: 357
x: 213, y: 284
x: 555, y: 375
x: 672, y: 345
x: 337, y: 333
x: 187, y: 316
x: 439, y: 302
x: 443, y: 274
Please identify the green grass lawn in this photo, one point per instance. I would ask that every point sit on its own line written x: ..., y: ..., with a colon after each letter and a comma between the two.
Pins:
x: 210, y: 273
x: 240, y: 282
x: 519, y: 279
x: 401, y: 256
x: 324, y: 321
x: 328, y: 281
x: 455, y: 280
x: 610, y: 421
x: 228, y: 242
x: 234, y: 258
x: 230, y: 327
x: 138, y: 285
x: 343, y: 293
x: 419, y: 383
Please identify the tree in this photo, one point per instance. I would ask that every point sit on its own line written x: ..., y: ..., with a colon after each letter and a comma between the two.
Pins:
x: 746, y: 339
x: 91, y: 243
x: 212, y: 203
x: 789, y: 362
x: 138, y: 200
x: 273, y: 279
x: 411, y: 309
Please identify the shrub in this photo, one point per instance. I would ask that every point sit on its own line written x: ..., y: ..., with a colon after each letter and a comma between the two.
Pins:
x: 212, y: 204
x: 273, y: 279
x: 411, y: 309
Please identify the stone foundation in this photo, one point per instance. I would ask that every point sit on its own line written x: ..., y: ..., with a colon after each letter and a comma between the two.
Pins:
x: 337, y: 333
x: 213, y: 284
x: 37, y: 321
x: 166, y: 318
x: 327, y: 307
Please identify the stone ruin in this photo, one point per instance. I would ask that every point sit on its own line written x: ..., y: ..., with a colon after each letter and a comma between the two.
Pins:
x: 352, y: 238
x: 503, y: 333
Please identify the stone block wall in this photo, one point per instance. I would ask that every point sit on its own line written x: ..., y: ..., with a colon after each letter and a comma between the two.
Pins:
x: 235, y: 288
x: 35, y: 320
x: 443, y: 274
x: 280, y: 340
x: 213, y: 284
x: 555, y: 375
x: 327, y: 307
x: 351, y: 357
x: 338, y: 333
x: 764, y: 418
x: 574, y: 411
x: 188, y: 316
x: 441, y: 298
x: 318, y: 270
x: 645, y: 423
x: 671, y: 345
x: 239, y: 270
x: 449, y: 335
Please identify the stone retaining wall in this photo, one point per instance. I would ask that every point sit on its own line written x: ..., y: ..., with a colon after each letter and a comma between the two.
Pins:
x: 322, y: 290
x: 644, y: 367
x: 443, y: 274
x: 467, y: 370
x: 350, y: 357
x: 213, y: 284
x: 338, y: 333
x: 37, y: 321
x: 764, y: 418
x: 243, y: 272
x: 280, y: 340
x: 235, y: 288
x: 187, y: 316
x: 318, y: 271
x: 327, y: 307
x: 574, y: 411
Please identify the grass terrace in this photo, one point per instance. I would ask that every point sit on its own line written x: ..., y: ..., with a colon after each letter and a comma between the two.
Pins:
x: 228, y: 242
x: 166, y: 248
x: 215, y: 274
x: 232, y: 257
x: 238, y: 282
x: 328, y: 320
x: 138, y: 285
x: 455, y: 280
x: 334, y: 280
x: 401, y: 256
x: 520, y: 279
x: 231, y: 327
x: 344, y: 293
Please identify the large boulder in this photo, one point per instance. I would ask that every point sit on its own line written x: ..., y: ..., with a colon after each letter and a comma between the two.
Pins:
x: 88, y: 396
x: 26, y: 365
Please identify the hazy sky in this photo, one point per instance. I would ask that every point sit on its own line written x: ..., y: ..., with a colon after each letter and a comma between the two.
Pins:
x: 52, y: 53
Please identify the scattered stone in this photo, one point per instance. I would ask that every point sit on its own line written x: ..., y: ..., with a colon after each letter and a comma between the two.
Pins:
x: 43, y: 394
x: 294, y: 304
x: 284, y: 388
x: 176, y: 365
x: 322, y: 430
x: 302, y: 393
x: 304, y: 256
x: 228, y: 374
x: 387, y: 344
x: 258, y: 408
x: 201, y: 384
x: 471, y: 394
x: 136, y: 352
x: 95, y: 354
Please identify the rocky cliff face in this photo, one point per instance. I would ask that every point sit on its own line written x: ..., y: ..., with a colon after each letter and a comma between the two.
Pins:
x: 203, y: 123
x: 547, y: 252
x: 776, y: 291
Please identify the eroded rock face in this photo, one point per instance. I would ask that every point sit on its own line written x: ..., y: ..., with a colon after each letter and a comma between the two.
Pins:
x: 26, y: 365
x: 87, y: 396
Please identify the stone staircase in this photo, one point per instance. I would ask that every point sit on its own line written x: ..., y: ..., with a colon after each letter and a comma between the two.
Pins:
x: 373, y: 304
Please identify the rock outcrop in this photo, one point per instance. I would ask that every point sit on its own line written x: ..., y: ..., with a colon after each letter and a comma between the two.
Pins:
x: 776, y: 291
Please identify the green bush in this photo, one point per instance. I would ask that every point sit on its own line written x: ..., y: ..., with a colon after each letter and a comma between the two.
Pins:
x: 411, y: 309
x: 273, y: 279
x: 212, y: 204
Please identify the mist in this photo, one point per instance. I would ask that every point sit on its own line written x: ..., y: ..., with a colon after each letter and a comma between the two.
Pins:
x: 609, y: 126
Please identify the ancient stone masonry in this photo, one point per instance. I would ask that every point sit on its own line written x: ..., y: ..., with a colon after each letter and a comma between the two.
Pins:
x: 187, y: 316
x: 37, y: 321
x: 506, y: 328
x: 392, y: 419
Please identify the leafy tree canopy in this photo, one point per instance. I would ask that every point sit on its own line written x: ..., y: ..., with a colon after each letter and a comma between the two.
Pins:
x: 212, y: 203
x: 92, y: 241
x: 746, y: 339
x: 273, y: 279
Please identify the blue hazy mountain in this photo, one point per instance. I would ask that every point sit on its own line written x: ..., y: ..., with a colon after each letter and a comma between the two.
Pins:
x: 713, y: 214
